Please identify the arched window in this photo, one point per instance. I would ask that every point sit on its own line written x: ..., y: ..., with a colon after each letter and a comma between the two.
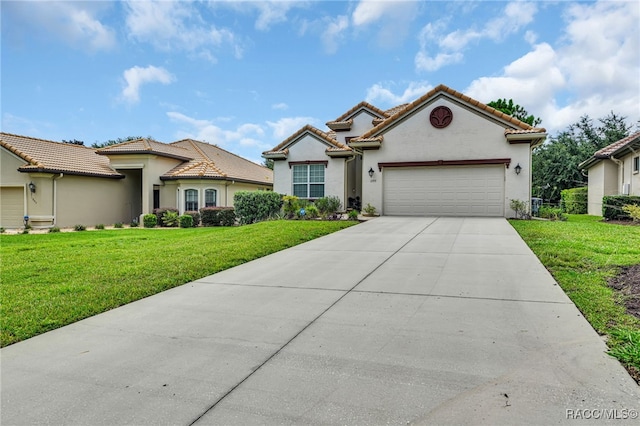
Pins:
x: 191, y: 200
x: 210, y: 198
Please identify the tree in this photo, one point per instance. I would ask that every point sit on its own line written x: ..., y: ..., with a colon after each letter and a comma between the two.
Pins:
x: 116, y: 141
x: 73, y: 142
x: 515, y: 110
x: 555, y: 163
x: 268, y: 163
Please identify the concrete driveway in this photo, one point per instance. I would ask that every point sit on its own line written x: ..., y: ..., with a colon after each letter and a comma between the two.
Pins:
x: 393, y: 321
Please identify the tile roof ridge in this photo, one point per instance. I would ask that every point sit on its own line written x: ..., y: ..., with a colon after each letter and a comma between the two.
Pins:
x: 196, y: 142
x: 608, y: 150
x: 360, y: 105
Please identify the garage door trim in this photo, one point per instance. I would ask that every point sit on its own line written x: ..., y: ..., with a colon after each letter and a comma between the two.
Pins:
x: 436, y: 163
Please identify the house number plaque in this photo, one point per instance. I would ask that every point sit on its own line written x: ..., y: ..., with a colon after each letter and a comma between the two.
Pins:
x: 441, y: 117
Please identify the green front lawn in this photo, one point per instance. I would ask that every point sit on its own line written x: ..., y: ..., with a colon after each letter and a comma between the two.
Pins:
x: 51, y: 280
x: 582, y: 254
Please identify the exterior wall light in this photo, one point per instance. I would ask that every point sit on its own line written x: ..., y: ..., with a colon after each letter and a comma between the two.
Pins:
x: 518, y: 169
x: 32, y: 187
x: 370, y: 172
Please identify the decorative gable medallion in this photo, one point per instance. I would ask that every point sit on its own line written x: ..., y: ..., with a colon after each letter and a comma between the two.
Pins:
x: 441, y: 117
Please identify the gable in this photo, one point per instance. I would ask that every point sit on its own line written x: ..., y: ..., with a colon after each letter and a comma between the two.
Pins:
x: 326, y: 141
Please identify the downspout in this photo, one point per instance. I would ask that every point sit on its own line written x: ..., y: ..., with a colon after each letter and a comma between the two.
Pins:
x: 55, y: 198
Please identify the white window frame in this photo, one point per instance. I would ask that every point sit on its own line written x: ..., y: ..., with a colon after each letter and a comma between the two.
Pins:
x: 308, y: 180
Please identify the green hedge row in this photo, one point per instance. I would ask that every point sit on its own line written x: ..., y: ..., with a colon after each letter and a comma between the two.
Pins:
x: 612, y: 206
x: 218, y: 216
x: 255, y: 206
x: 574, y: 200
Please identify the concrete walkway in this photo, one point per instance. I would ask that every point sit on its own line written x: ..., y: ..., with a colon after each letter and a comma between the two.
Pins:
x: 393, y: 321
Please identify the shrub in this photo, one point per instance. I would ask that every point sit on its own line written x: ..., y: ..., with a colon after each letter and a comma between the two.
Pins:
x: 79, y: 228
x: 170, y: 218
x: 290, y: 205
x: 328, y: 206
x: 353, y: 215
x: 134, y: 224
x: 218, y: 216
x: 256, y: 206
x: 25, y: 230
x: 149, y: 220
x: 159, y: 212
x: 612, y: 206
x: 100, y: 226
x: 369, y: 209
x: 520, y: 207
x: 574, y: 200
x: 118, y: 225
x: 2, y: 230
x: 195, y: 216
x: 311, y: 212
x: 552, y: 213
x: 633, y: 211
x: 54, y: 229
x: 186, y: 221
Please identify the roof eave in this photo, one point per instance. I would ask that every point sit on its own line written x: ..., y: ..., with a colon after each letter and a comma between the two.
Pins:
x: 222, y: 178
x: 70, y: 172
x: 339, y: 154
x: 144, y: 152
x: 274, y: 155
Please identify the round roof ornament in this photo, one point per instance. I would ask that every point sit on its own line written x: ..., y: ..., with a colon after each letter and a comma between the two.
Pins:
x: 441, y: 117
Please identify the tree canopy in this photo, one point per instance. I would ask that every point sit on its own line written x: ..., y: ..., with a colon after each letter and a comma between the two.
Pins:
x: 510, y: 108
x: 116, y: 141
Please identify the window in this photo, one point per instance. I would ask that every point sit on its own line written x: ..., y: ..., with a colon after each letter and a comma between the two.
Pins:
x: 210, y: 197
x: 191, y: 200
x: 308, y: 180
x: 636, y: 164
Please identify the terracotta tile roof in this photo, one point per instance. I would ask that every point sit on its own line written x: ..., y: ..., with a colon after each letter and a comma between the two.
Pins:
x: 213, y: 162
x: 147, y: 146
x: 620, y: 145
x: 329, y: 138
x: 56, y: 157
x: 399, y: 113
x: 362, y: 105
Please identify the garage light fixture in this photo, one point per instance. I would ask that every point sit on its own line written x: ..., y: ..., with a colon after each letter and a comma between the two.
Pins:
x: 518, y: 168
x: 32, y: 187
x: 370, y: 172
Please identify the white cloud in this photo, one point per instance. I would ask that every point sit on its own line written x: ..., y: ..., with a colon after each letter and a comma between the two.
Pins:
x: 593, y: 71
x: 285, y: 127
x: 280, y: 106
x: 333, y: 33
x: 447, y: 48
x: 367, y: 12
x: 378, y: 93
x: 392, y: 17
x: 170, y: 25
x: 136, y: 76
x: 75, y: 23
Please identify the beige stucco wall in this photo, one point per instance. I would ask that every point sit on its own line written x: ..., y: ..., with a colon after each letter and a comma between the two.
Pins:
x: 470, y: 136
x: 362, y: 122
x: 628, y: 176
x: 308, y: 148
x: 173, y: 192
x: 603, y: 180
x: 11, y: 179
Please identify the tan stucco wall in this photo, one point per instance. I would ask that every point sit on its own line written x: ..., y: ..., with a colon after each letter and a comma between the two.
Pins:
x: 470, y: 136
x: 174, y: 192
x: 628, y: 176
x: 10, y: 178
x: 603, y: 180
x: 311, y: 149
x: 362, y: 122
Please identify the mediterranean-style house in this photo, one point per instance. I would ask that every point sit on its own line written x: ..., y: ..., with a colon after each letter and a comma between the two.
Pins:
x: 613, y: 170
x: 443, y: 154
x: 60, y: 184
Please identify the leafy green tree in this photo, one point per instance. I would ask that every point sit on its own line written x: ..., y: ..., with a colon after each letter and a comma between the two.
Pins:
x: 555, y: 163
x: 268, y: 163
x: 116, y: 141
x: 510, y: 108
x: 73, y: 142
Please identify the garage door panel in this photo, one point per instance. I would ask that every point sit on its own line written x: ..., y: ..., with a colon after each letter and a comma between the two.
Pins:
x: 12, y: 207
x: 444, y: 191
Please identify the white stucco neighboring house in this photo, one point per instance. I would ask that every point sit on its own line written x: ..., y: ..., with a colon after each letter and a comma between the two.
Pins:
x: 613, y: 170
x: 443, y: 154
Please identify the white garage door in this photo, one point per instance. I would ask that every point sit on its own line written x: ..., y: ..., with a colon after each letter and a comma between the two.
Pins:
x: 11, y: 207
x: 444, y: 191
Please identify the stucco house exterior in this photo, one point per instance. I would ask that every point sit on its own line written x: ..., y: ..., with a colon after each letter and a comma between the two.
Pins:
x: 443, y: 154
x: 59, y: 184
x: 613, y: 170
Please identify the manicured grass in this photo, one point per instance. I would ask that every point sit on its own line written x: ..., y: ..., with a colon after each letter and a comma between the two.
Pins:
x: 51, y: 280
x: 582, y: 254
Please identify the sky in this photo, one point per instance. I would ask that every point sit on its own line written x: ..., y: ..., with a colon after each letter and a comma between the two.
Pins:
x: 246, y: 75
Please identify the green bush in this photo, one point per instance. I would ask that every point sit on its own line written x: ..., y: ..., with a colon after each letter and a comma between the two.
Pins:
x: 118, y: 225
x: 328, y: 206
x: 256, y: 206
x: 159, y: 212
x: 218, y: 216
x: 520, y: 207
x: 552, y: 213
x: 2, y: 230
x: 574, y: 200
x: 353, y: 214
x: 134, y: 224
x: 195, y: 216
x: 186, y: 221
x: 290, y: 206
x: 170, y: 218
x: 369, y: 209
x: 149, y: 220
x: 311, y: 212
x: 79, y: 228
x: 54, y: 229
x: 99, y: 226
x: 633, y: 211
x: 612, y: 206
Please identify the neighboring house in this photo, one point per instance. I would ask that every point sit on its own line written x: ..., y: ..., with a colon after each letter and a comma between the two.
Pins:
x: 444, y: 154
x: 613, y: 170
x: 63, y: 184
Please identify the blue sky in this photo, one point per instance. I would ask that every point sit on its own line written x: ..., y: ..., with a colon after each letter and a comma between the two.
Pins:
x: 246, y: 75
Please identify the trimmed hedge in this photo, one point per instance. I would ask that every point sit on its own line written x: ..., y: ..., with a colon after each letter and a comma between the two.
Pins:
x: 574, y: 200
x: 149, y: 220
x: 195, y: 216
x: 186, y: 221
x: 218, y: 216
x: 161, y: 211
x: 255, y: 206
x: 612, y: 206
